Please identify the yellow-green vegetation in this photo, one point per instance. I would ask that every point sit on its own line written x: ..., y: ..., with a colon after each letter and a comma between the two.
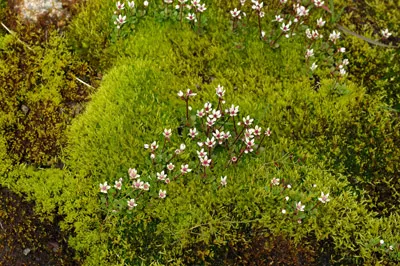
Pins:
x: 339, y: 137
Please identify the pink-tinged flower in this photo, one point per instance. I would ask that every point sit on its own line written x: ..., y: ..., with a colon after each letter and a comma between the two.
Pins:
x: 313, y: 66
x: 170, y: 167
x: 324, y: 198
x: 299, y: 221
x: 131, y: 4
x: 320, y: 22
x: 167, y: 133
x: 207, y: 107
x: 145, y: 3
x: 193, y: 133
x: 257, y: 6
x: 220, y: 91
x: 161, y: 176
x: 205, y: 161
x: 268, y: 132
x: 287, y: 198
x: 182, y: 1
x: 133, y: 173
x: 118, y: 185
x: 300, y: 207
x: 318, y: 3
x: 249, y: 133
x: 283, y: 211
x: 309, y: 53
x: 210, y: 121
x: 249, y: 145
x: 120, y: 19
x: 235, y: 13
x: 227, y: 135
x: 278, y: 18
x: 104, y: 187
x: 218, y: 135
x: 210, y: 142
x: 385, y: 34
x: 261, y: 14
x: 162, y: 194
x: 167, y: 181
x: 275, y: 181
x: 257, y: 131
x: 233, y: 111
x: 131, y: 204
x: 216, y: 114
x: 247, y: 120
x: 286, y: 27
x: 190, y: 93
x: 185, y: 168
x: 146, y: 146
x: 223, y: 180
x: 195, y: 2
x: 201, y: 153
x: 137, y: 184
x: 334, y: 36
x: 201, y: 8
x: 153, y: 146
x: 146, y: 186
x: 201, y: 113
x: 191, y: 16
x: 120, y: 6
x: 302, y: 11
x: 234, y: 159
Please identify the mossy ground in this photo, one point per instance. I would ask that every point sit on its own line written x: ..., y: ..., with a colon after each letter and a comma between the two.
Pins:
x: 340, y: 136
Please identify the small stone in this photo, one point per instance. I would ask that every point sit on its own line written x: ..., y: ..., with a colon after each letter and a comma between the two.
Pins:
x: 25, y: 109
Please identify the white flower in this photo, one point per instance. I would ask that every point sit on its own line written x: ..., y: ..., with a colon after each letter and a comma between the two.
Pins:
x: 201, y: 8
x: 242, y: 2
x: 145, y: 3
x: 207, y: 107
x: 345, y: 62
x: 334, y: 36
x: 283, y: 211
x: 342, y: 72
x: 104, y: 187
x: 300, y: 207
x: 283, y: 2
x: 289, y: 186
x: 137, y: 184
x: 191, y: 16
x: 275, y: 181
x: 302, y: 11
x: 320, y: 22
x: 278, y: 18
x: 167, y: 133
x: 286, y: 27
x: 168, y: 1
x: 205, y: 161
x: 287, y: 198
x: 201, y: 113
x: 193, y: 133
x: 391, y: 247
x: 313, y: 66
x: 268, y: 132
x: 133, y: 173
x: 342, y: 49
x: 309, y: 53
x: 324, y: 198
x: 121, y: 19
x: 314, y: 185
x: 233, y: 111
x: 185, y: 169
x: 210, y: 121
x: 318, y: 3
x: 146, y: 186
x: 170, y: 167
x: 118, y: 185
x: 146, y: 146
x: 381, y: 242
x: 161, y: 176
x: 180, y: 93
x: 386, y: 34
x: 201, y: 153
x: 120, y: 6
x: 210, y: 142
x: 153, y: 146
x: 220, y: 91
x: 223, y: 180
x: 131, y: 4
x: 162, y: 193
x: 247, y: 120
x: 131, y: 204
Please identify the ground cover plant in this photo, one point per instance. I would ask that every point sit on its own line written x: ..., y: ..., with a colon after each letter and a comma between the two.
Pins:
x: 144, y: 175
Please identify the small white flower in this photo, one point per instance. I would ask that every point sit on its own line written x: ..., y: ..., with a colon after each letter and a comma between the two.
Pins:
x: 185, y: 168
x: 309, y: 53
x: 342, y: 50
x: 381, y: 242
x: 170, y: 167
x: 182, y: 147
x: 223, y: 180
x: 162, y: 193
x: 334, y: 36
x: 275, y: 181
x: 283, y: 211
x: 118, y: 185
x: 167, y: 133
x: 342, y: 72
x: 220, y: 91
x: 104, y: 187
x: 345, y: 62
x: 390, y: 247
x: 314, y: 185
x: 300, y: 207
x: 207, y: 107
x: 193, y: 133
x: 131, y: 204
x: 146, y: 186
x: 313, y: 66
x: 191, y: 16
x: 318, y: 3
x: 324, y: 198
x: 247, y: 120
x: 133, y: 173
x: 320, y: 22
x: 120, y: 5
x: 289, y: 186
x: 286, y: 27
x: 146, y: 146
x: 152, y: 156
x: 161, y: 176
x: 287, y: 198
x: 386, y: 34
x: 200, y: 144
x: 278, y: 18
x: 145, y: 3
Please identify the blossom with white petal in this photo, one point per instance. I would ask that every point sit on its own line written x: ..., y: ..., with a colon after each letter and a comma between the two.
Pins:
x: 168, y: 1
x: 278, y: 18
x: 302, y: 11
x: 201, y: 8
x: 185, y: 168
x: 137, y: 184
x: 133, y: 173
x: 146, y: 186
x: 216, y: 114
x: 313, y: 66
x: 145, y: 3
x: 320, y: 22
x: 318, y: 3
x: 227, y: 135
x: 223, y: 180
x: 210, y: 142
x: 300, y: 207
x: 200, y: 144
x: 118, y: 184
x: 233, y: 111
x: 104, y: 187
x: 182, y: 147
x: 287, y: 198
x: 247, y: 120
x: 162, y: 193
x: 205, y: 161
x: 381, y: 242
x: 334, y: 36
x: 201, y: 153
x: 191, y: 16
x: 131, y: 4
x: 283, y: 2
x: 275, y: 181
x: 257, y: 131
x: 283, y: 211
x: 167, y: 133
x: 120, y: 20
x: 120, y: 5
x: 342, y: 50
x: 268, y: 132
x: 170, y: 166
x: 286, y: 27
x: 195, y: 2
x: 242, y: 2
x: 201, y: 113
x: 180, y: 94
x: 193, y: 133
x: 289, y: 186
x: 167, y: 181
x: 309, y: 53
x: 161, y: 176
x: 345, y: 62
x: 210, y: 121
x: 131, y: 204
x: 220, y: 91
x: 207, y: 107
x: 324, y: 198
x: 386, y: 34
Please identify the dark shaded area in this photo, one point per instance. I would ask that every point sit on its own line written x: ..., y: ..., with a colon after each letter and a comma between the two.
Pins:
x: 21, y: 229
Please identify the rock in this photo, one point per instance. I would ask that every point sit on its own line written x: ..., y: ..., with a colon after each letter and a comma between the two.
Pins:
x: 25, y: 109
x: 26, y: 251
